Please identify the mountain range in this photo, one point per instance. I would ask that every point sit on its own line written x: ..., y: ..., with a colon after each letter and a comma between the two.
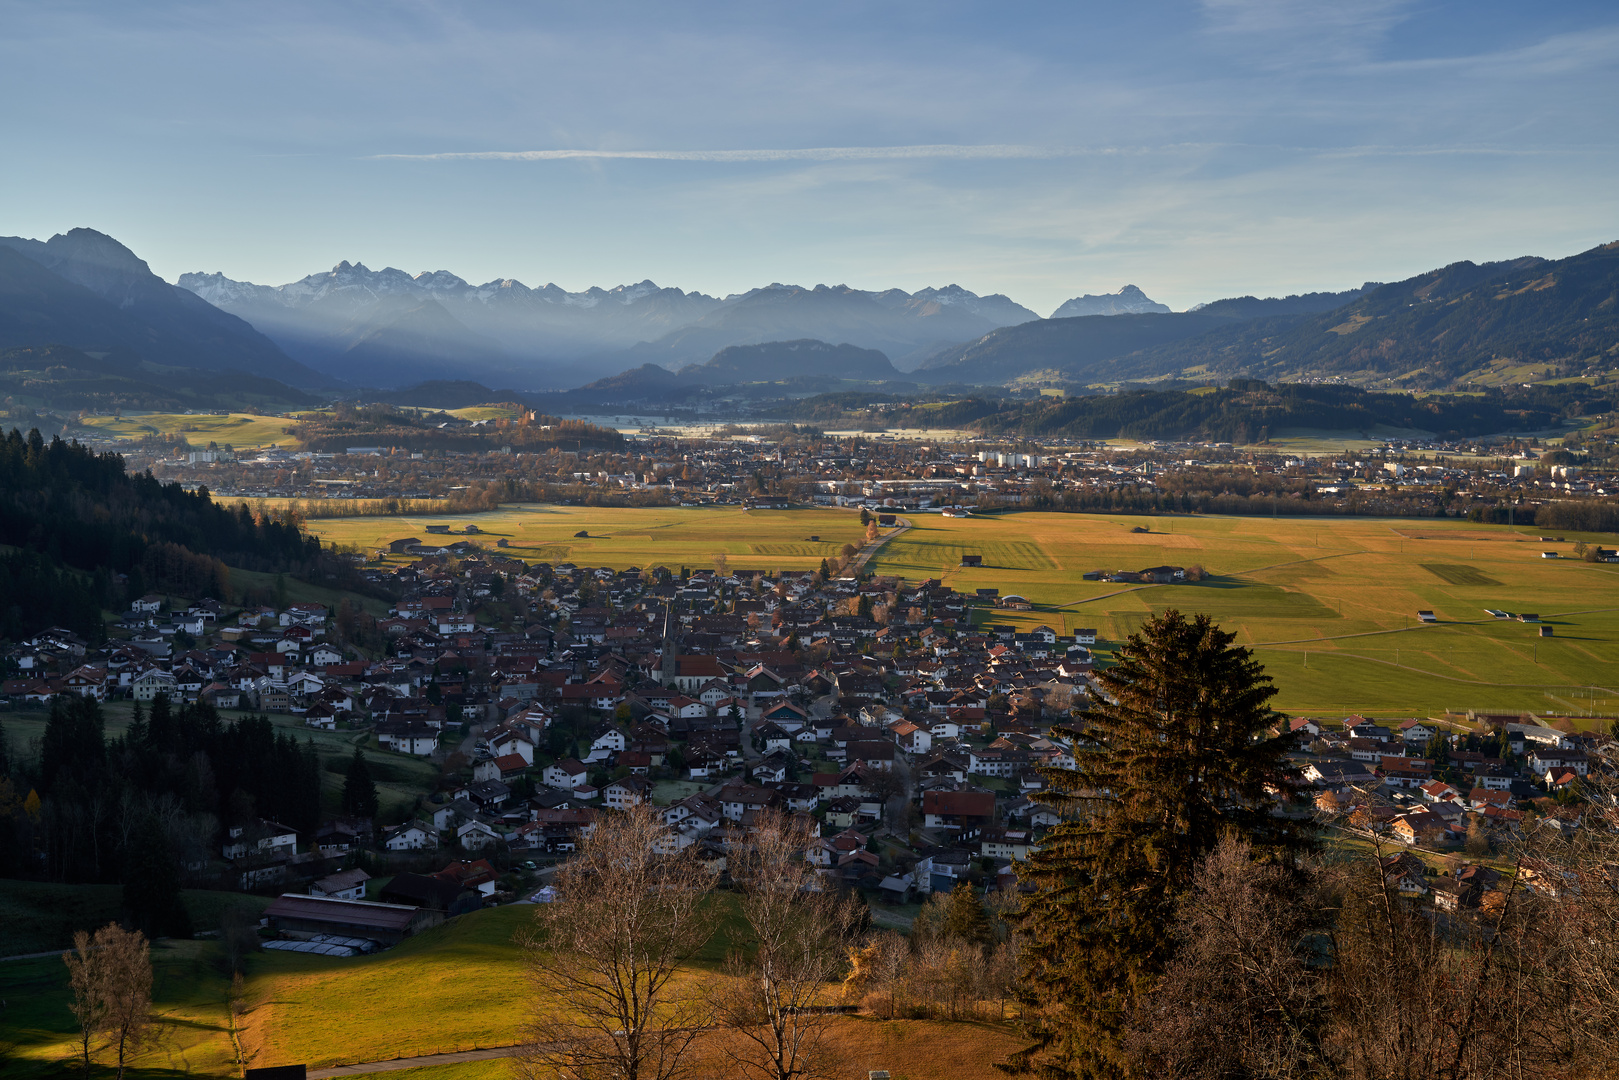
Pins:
x: 121, y: 333
x: 387, y: 327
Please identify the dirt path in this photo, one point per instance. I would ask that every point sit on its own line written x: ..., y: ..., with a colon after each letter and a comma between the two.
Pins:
x: 413, y: 1062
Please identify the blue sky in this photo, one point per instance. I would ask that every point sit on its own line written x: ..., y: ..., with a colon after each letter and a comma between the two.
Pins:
x: 1197, y: 150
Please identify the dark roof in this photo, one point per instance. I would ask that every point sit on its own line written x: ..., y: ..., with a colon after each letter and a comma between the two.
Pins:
x: 421, y: 889
x: 347, y: 912
x: 962, y: 803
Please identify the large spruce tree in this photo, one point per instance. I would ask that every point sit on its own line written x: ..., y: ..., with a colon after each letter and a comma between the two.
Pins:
x: 359, y: 790
x: 1175, y: 752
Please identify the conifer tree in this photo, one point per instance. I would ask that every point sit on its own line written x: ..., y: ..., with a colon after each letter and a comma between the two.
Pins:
x: 152, y: 884
x: 1174, y: 754
x: 965, y: 919
x: 359, y: 790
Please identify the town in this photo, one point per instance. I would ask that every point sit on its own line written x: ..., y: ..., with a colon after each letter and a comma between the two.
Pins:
x: 898, y: 721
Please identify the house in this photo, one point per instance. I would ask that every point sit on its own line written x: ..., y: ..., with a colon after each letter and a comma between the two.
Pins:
x: 479, y: 875
x: 605, y: 741
x: 1544, y: 759
x: 628, y: 792
x: 911, y: 738
x: 150, y: 683
x: 411, y: 836
x: 968, y: 811
x: 476, y: 835
x: 566, y: 775
x: 343, y: 885
x: 258, y: 838
x: 407, y: 737
x: 943, y: 870
x: 1004, y: 843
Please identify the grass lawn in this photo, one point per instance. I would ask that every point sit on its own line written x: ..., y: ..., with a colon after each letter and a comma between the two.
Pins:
x: 191, y: 1037
x: 665, y: 792
x: 37, y: 915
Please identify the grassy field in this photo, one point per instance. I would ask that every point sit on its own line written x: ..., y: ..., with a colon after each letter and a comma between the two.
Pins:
x: 240, y: 430
x: 1329, y: 603
x: 36, y: 916
x: 459, y: 986
x: 749, y: 539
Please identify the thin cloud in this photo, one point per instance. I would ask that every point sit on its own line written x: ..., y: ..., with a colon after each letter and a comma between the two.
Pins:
x: 816, y: 153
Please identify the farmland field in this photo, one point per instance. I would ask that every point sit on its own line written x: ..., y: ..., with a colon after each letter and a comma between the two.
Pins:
x: 671, y: 536
x: 1330, y: 604
x: 238, y: 429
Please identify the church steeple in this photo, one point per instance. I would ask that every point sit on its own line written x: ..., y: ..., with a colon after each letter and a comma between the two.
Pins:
x: 671, y: 645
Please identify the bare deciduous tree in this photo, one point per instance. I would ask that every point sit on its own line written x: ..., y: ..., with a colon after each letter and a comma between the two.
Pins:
x: 776, y: 997
x: 610, y: 999
x: 111, y: 978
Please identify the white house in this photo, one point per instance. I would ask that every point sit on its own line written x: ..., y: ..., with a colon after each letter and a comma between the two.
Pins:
x: 150, y: 683
x: 411, y: 836
x: 628, y: 792
x: 569, y: 774
x: 323, y: 655
x: 343, y: 885
x: 475, y: 835
x: 262, y: 837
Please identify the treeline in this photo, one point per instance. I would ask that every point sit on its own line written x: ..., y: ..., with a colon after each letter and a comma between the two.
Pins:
x: 1288, y: 500
x: 154, y: 803
x: 1247, y: 411
x: 80, y: 521
x: 380, y: 425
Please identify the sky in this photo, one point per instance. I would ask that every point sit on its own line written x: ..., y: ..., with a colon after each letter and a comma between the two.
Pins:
x: 1195, y: 149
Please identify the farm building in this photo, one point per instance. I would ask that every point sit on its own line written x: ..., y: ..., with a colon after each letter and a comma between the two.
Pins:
x: 972, y: 560
x: 387, y: 924
x: 1427, y: 616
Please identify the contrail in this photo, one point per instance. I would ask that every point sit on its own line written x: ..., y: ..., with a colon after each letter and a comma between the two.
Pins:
x: 815, y: 153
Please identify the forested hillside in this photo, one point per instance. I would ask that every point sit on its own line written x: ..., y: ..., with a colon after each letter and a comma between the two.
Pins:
x: 78, y: 521
x: 379, y: 425
x: 1435, y: 327
x: 1249, y: 409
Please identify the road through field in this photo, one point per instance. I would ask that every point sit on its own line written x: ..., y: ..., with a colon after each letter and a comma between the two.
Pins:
x: 874, y: 546
x: 397, y: 1064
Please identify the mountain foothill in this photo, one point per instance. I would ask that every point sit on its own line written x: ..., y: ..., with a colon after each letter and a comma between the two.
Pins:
x: 85, y: 323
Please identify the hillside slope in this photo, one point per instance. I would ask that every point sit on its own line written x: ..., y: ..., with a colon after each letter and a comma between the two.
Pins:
x: 1430, y: 329
x: 86, y: 290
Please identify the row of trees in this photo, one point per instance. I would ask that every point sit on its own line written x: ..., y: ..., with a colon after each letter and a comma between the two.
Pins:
x: 137, y: 809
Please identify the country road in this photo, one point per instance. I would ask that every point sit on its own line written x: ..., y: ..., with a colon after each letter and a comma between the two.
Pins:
x: 860, y: 560
x: 412, y: 1062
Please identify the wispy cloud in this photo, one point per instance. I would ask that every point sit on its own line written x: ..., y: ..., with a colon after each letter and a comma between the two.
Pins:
x: 815, y: 153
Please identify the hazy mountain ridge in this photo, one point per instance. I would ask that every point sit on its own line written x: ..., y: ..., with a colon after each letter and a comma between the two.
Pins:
x: 85, y: 290
x: 1439, y: 324
x: 1129, y: 300
x: 345, y: 320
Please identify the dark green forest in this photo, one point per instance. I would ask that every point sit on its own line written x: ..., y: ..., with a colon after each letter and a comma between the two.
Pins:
x: 141, y: 808
x: 89, y: 535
